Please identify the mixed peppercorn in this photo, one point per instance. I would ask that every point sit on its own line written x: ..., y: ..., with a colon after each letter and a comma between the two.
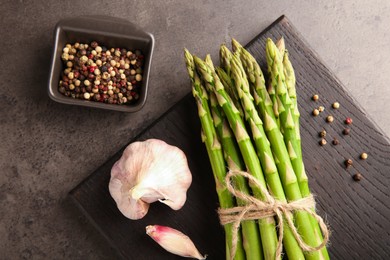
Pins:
x: 97, y: 73
x: 348, y: 163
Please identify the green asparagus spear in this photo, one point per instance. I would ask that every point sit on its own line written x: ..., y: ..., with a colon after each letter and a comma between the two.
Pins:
x: 292, y: 138
x: 287, y: 127
x: 267, y: 225
x: 263, y: 150
x: 230, y: 89
x: 250, y: 233
x: 214, y: 151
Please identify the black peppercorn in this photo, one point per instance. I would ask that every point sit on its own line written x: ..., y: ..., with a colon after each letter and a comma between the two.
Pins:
x: 348, y: 162
x: 96, y: 97
x: 346, y: 131
x: 61, y: 89
x: 94, y: 44
x: 335, y: 141
x: 357, y: 177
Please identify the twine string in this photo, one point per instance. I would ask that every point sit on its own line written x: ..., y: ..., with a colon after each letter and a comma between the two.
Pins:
x: 255, y: 209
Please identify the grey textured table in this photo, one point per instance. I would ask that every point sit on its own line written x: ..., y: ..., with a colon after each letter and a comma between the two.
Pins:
x: 48, y: 148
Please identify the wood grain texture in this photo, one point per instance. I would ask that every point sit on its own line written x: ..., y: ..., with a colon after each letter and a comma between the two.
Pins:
x: 358, y: 212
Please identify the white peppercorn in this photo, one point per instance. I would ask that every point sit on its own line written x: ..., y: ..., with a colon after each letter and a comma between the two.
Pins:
x: 83, y: 59
x: 65, y: 56
x: 336, y: 105
x: 87, y: 83
x: 329, y: 119
x: 315, y: 112
x: 66, y: 71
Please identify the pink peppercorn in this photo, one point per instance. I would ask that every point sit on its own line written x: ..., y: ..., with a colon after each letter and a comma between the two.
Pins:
x: 348, y: 120
x: 91, y: 68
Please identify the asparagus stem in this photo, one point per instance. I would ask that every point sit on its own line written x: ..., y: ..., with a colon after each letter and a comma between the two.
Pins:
x: 214, y: 151
x: 230, y: 89
x: 271, y: 86
x: 285, y: 154
x: 250, y: 232
x: 250, y: 235
x: 261, y: 142
x: 267, y: 225
x: 292, y: 138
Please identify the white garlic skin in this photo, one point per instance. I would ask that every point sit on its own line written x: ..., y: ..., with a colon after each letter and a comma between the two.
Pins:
x: 174, y: 241
x: 148, y: 171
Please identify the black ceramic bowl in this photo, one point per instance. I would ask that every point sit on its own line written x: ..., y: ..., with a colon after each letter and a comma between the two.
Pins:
x: 107, y: 31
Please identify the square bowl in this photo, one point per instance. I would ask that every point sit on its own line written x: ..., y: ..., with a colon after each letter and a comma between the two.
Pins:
x: 107, y: 31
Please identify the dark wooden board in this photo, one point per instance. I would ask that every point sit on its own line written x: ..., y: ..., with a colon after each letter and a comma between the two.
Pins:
x: 358, y: 212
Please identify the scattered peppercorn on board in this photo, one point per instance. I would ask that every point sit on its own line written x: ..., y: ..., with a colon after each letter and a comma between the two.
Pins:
x: 358, y: 212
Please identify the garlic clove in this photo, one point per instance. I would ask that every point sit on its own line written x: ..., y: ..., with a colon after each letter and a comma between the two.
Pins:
x: 130, y: 208
x: 174, y: 241
x: 147, y: 172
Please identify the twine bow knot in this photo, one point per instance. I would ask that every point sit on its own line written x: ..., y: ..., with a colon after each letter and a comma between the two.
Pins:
x: 257, y: 209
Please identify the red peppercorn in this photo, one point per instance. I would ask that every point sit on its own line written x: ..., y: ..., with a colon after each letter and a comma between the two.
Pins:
x: 91, y: 68
x: 348, y: 120
x: 76, y: 74
x: 90, y: 56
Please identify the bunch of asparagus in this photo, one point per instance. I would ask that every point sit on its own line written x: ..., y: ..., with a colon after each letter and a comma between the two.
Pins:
x: 249, y: 127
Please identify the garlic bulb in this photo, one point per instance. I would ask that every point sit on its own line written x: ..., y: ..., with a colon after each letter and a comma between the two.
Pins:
x: 173, y: 241
x: 149, y: 171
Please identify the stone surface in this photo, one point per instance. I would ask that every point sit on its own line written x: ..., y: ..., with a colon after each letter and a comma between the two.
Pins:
x: 48, y: 148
